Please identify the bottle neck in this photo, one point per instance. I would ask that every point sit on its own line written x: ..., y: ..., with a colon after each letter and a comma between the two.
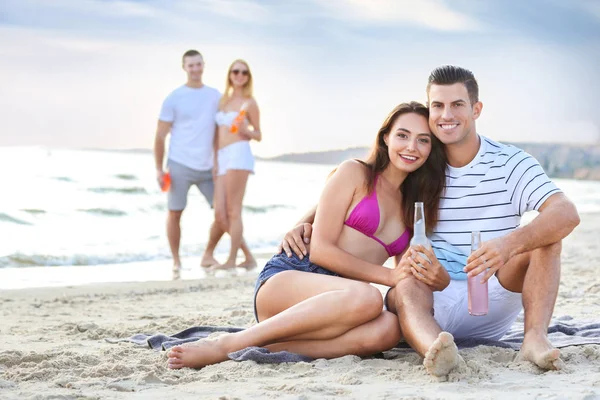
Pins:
x: 419, y: 223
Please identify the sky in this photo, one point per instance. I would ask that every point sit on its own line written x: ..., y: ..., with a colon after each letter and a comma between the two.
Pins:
x: 93, y: 73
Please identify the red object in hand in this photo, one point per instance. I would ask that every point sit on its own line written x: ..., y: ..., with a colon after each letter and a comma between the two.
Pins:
x: 235, y: 126
x: 166, y: 182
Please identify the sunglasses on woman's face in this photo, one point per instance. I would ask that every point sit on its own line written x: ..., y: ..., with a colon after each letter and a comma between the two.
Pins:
x: 237, y: 72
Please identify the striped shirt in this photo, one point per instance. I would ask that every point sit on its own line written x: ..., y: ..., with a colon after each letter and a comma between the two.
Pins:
x: 489, y: 195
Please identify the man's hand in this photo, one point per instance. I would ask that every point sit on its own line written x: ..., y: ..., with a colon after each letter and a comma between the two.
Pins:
x: 296, y: 240
x: 491, y: 256
x: 160, y: 178
x: 430, y: 272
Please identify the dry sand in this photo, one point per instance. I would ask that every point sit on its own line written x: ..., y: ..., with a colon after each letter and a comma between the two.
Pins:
x: 52, y: 346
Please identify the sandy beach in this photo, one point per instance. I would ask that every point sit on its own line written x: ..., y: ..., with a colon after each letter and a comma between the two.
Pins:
x: 52, y: 346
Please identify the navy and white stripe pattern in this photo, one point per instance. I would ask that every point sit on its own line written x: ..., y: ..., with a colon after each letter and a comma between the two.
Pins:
x: 489, y: 195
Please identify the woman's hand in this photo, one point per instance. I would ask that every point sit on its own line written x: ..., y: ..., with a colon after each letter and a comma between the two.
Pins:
x: 428, y: 271
x: 402, y: 270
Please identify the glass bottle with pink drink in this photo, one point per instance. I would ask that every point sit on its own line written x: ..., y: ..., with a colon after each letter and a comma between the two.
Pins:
x: 478, y: 292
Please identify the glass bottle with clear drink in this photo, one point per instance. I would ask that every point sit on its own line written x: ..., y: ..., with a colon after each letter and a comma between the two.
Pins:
x: 478, y: 292
x: 419, y: 236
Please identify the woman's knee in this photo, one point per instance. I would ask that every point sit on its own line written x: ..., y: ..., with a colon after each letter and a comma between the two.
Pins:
x: 221, y: 219
x: 234, y: 213
x: 363, y: 301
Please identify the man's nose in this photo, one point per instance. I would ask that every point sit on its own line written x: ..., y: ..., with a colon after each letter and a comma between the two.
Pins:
x: 447, y: 113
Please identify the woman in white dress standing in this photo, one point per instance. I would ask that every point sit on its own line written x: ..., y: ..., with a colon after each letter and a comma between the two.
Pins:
x: 234, y: 157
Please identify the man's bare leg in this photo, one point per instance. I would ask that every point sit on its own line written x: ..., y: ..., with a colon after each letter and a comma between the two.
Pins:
x: 412, y: 301
x: 538, y: 281
x: 174, y: 236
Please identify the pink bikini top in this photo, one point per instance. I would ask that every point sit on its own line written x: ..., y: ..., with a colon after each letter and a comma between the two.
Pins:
x: 365, y: 219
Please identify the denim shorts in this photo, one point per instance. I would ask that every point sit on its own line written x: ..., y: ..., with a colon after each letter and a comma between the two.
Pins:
x: 281, y: 262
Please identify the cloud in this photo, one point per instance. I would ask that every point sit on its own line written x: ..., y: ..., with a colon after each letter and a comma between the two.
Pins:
x: 432, y: 14
x: 238, y: 10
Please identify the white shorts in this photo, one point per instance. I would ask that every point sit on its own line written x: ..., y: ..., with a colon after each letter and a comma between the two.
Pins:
x: 237, y: 155
x: 451, y: 311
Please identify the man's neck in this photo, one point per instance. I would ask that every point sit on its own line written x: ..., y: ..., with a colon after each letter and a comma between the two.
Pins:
x: 194, y: 84
x: 461, y: 154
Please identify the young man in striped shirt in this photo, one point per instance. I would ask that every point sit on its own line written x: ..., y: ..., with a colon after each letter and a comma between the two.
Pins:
x: 488, y: 188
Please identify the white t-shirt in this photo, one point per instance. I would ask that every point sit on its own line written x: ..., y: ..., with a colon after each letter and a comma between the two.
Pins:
x: 192, y: 112
x: 488, y: 195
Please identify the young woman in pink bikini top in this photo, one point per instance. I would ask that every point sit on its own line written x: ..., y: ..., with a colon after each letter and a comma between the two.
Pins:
x: 321, y: 305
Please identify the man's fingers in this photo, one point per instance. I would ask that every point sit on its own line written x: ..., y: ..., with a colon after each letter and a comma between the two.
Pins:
x: 487, y: 275
x: 419, y: 276
x: 299, y: 243
x: 294, y: 246
x: 476, y: 254
x: 286, y: 247
x: 307, y: 233
x: 420, y: 259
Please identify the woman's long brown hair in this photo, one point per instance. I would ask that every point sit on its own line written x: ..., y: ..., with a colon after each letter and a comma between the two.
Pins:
x: 426, y: 184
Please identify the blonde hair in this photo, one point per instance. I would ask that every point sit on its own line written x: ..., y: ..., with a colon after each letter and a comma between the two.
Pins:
x: 246, y: 90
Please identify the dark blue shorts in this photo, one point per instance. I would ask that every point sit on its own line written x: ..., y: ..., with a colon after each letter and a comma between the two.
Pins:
x: 281, y: 262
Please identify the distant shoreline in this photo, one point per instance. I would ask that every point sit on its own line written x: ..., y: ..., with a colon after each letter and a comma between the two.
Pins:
x: 559, y: 160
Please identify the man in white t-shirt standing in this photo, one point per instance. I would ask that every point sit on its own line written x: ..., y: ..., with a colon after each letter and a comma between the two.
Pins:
x: 488, y: 188
x: 188, y: 114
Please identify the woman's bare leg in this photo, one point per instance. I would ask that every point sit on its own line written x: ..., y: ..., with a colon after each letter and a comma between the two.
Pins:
x: 235, y: 188
x: 305, y: 306
x: 380, y: 334
x: 220, y: 226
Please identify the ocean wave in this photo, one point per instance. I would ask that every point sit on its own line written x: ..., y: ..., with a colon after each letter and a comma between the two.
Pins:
x: 8, y: 218
x: 127, y: 190
x: 111, y: 212
x: 126, y: 177
x: 40, y: 260
x: 63, y: 179
x: 264, y: 209
x: 34, y: 211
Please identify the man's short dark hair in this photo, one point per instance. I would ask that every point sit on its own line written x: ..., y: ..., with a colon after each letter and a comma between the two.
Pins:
x: 190, y: 53
x: 451, y: 74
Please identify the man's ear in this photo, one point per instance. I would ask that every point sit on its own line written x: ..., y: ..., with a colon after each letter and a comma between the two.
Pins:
x: 477, y: 107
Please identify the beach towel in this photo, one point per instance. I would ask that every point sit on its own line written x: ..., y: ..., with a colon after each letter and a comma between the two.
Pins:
x: 562, y: 332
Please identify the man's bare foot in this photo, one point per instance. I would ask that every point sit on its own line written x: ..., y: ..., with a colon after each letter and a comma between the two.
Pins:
x: 442, y: 356
x: 538, y: 350
x: 197, y: 354
x: 247, y: 264
x: 208, y: 260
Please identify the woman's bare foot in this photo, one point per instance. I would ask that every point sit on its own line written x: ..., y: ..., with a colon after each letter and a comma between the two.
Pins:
x: 198, y: 354
x: 248, y: 264
x: 226, y: 266
x: 442, y: 357
x: 208, y: 260
x: 538, y: 350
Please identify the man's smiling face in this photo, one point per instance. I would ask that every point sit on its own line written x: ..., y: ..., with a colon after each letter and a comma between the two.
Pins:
x: 451, y: 114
